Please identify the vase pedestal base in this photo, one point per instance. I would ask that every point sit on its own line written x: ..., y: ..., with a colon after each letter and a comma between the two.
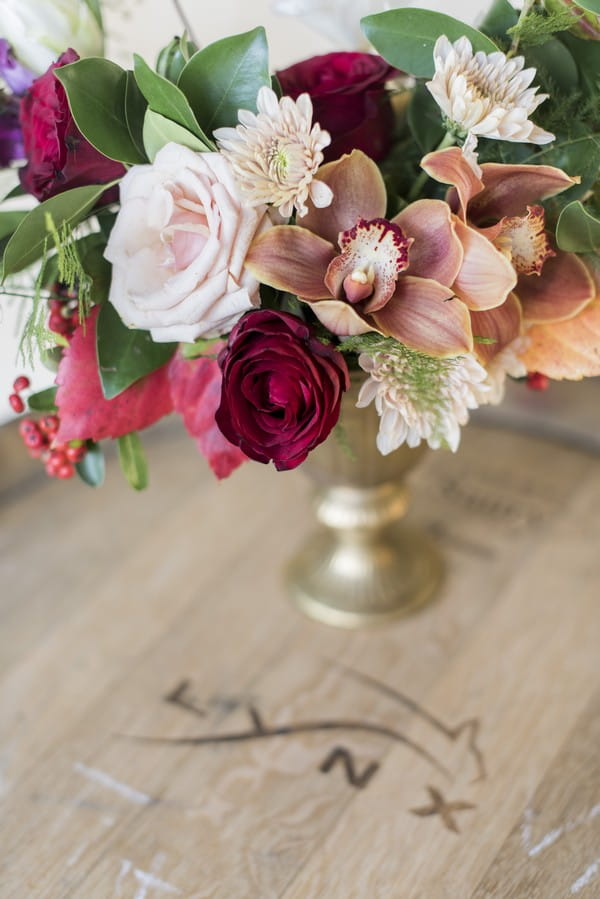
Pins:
x: 353, y: 583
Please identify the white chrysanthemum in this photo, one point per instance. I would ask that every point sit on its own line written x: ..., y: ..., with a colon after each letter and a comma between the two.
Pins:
x: 506, y: 363
x: 485, y: 94
x: 276, y: 153
x: 419, y: 397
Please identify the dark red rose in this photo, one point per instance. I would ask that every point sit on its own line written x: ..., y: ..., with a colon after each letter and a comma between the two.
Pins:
x: 281, y: 388
x: 349, y: 100
x: 58, y: 156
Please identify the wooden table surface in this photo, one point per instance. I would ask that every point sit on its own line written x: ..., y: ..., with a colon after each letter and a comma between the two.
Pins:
x: 149, y: 662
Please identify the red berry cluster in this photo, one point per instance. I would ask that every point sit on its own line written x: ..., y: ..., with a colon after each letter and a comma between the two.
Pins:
x: 537, y: 381
x: 64, y: 311
x: 40, y: 438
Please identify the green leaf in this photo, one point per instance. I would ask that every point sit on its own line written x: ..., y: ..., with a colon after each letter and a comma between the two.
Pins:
x: 91, y: 252
x: 125, y: 354
x: 587, y: 56
x: 71, y: 207
x: 95, y: 90
x: 406, y: 37
x: 226, y: 76
x: 135, y: 110
x: 424, y: 119
x: 200, y: 347
x: 9, y: 222
x: 94, y: 7
x: 167, y: 99
x: 578, y: 231
x: 576, y: 154
x: 499, y: 18
x: 43, y: 400
x: 133, y: 460
x: 159, y: 131
x: 590, y: 5
x: 555, y: 66
x: 91, y: 468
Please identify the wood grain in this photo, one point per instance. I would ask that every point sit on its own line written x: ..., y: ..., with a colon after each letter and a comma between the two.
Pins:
x: 132, y: 626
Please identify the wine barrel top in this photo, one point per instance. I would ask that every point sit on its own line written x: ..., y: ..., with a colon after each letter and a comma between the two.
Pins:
x: 171, y: 726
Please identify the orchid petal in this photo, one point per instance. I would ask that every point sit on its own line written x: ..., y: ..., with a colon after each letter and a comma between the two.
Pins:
x: 358, y: 192
x: 569, y: 349
x: 426, y: 316
x: 486, y: 276
x: 437, y: 251
x: 563, y: 289
x: 509, y: 189
x: 450, y: 167
x: 341, y: 318
x: 500, y: 325
x: 292, y: 259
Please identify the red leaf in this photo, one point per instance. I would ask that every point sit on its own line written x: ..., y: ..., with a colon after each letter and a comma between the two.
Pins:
x: 84, y: 412
x: 196, y: 393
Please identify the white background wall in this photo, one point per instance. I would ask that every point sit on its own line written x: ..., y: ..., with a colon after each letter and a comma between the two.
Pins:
x: 144, y: 26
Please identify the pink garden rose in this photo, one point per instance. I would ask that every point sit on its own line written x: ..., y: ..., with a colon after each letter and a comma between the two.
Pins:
x: 282, y: 388
x: 178, y: 247
x: 349, y: 100
x: 58, y: 156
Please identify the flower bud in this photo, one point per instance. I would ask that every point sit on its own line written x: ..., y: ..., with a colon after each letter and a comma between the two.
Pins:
x: 39, y: 31
x: 174, y: 56
x: 586, y: 24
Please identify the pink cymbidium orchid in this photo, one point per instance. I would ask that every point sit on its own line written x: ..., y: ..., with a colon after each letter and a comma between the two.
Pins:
x: 414, y: 278
x: 504, y: 205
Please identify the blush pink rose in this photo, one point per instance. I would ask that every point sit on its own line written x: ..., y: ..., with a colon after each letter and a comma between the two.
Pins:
x: 178, y: 247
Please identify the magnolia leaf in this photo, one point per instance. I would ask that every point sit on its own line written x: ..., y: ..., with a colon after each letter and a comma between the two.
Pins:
x: 133, y: 460
x: 406, y: 37
x: 167, y: 99
x: 95, y: 90
x: 91, y: 469
x: 196, y: 394
x: 159, y: 131
x: 85, y: 414
x: 578, y: 231
x: 226, y: 76
x: 28, y: 242
x: 43, y: 401
x: 135, y: 110
x: 125, y: 354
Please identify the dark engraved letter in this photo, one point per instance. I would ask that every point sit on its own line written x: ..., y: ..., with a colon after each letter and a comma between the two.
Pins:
x: 339, y: 753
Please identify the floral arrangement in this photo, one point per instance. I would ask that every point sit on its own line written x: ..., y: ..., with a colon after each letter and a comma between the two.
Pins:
x: 234, y: 245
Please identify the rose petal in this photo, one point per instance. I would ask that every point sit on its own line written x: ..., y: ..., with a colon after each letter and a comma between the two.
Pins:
x: 437, y: 251
x: 426, y: 317
x: 486, y: 276
x: 568, y: 349
x: 563, y: 289
x: 501, y: 325
x: 293, y: 259
x: 358, y: 192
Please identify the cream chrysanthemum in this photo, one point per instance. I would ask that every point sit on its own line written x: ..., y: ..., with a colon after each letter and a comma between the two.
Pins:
x: 420, y: 397
x: 485, y: 94
x: 276, y: 153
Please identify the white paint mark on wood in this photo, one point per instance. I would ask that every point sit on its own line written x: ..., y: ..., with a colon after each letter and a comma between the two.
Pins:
x: 105, y: 780
x: 146, y: 880
x: 553, y: 835
x: 586, y: 878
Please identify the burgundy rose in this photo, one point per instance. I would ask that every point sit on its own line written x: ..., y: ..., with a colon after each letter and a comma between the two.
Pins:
x: 281, y: 389
x: 58, y: 156
x: 349, y: 100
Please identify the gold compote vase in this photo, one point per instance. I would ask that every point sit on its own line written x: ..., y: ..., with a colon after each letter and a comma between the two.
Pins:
x: 362, y: 564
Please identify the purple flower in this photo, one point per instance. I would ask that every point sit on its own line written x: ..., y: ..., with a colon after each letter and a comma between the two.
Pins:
x: 16, y: 76
x: 11, y: 140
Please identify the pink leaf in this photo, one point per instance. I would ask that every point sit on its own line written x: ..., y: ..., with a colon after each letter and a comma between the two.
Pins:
x: 196, y: 394
x: 84, y: 412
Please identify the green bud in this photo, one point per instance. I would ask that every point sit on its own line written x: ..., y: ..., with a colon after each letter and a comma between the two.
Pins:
x: 586, y: 24
x: 174, y: 56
